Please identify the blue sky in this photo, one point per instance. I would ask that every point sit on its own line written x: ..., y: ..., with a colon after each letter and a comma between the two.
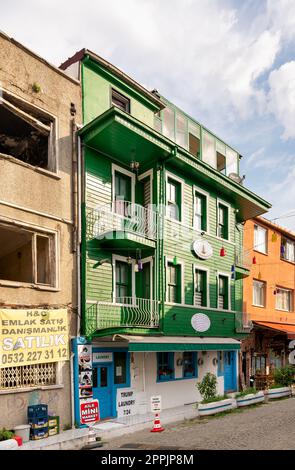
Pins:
x: 228, y: 63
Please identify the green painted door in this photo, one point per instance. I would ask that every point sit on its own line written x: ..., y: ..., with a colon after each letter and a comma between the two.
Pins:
x: 143, y: 284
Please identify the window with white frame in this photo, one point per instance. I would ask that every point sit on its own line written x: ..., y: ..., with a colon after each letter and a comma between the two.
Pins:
x: 200, y: 211
x: 260, y: 239
x: 259, y: 293
x: 223, y: 292
x: 287, y: 249
x: 222, y: 221
x: 284, y: 299
x: 173, y: 199
x: 27, y: 256
x: 200, y: 298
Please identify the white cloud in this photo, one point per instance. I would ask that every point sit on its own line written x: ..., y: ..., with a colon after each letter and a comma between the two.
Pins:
x: 282, y: 97
x: 281, y: 14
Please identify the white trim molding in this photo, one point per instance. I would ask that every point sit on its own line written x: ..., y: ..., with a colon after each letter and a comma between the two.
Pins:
x: 181, y: 181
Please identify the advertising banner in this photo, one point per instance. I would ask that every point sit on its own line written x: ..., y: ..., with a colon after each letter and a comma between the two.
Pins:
x: 85, y: 371
x: 33, y: 336
x: 89, y: 412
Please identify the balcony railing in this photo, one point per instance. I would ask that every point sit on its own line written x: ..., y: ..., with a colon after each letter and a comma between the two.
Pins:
x: 243, y: 322
x: 243, y: 259
x: 125, y: 312
x: 122, y: 216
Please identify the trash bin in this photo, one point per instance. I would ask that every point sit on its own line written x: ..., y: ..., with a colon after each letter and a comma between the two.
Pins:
x: 23, y: 430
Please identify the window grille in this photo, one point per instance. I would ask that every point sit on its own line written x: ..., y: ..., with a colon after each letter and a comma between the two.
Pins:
x: 28, y: 376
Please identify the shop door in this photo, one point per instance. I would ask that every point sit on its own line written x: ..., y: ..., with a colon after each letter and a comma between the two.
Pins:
x: 103, y: 389
x: 229, y: 371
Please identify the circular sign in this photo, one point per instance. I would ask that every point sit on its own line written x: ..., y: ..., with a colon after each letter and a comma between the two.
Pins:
x: 203, y: 249
x: 200, y: 322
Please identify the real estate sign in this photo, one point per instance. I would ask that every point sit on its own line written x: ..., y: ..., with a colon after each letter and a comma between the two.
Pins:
x: 33, y: 336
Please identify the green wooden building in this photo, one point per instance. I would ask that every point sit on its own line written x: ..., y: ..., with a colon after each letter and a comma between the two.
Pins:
x: 162, y: 267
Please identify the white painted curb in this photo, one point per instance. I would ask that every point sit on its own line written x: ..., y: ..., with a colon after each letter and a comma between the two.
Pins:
x: 250, y: 399
x: 278, y: 392
x: 216, y: 406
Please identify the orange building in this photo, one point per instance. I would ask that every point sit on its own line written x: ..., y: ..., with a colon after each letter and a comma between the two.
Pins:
x: 268, y: 298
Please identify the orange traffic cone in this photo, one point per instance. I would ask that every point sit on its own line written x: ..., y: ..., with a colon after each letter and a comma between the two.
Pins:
x: 157, y: 424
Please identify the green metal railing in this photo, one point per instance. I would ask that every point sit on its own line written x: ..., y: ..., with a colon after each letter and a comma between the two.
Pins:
x: 125, y: 312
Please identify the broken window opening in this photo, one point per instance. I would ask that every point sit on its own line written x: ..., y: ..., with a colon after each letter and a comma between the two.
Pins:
x: 26, y: 256
x: 221, y: 162
x: 25, y: 134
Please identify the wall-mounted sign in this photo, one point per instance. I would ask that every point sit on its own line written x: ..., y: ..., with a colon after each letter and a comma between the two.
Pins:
x: 200, y: 322
x: 33, y: 336
x: 126, y: 402
x: 85, y: 370
x: 202, y: 249
x: 156, y: 404
x: 89, y: 412
x: 102, y: 357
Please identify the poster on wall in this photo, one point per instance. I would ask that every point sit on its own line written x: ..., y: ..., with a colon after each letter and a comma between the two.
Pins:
x: 126, y: 402
x: 89, y: 412
x: 85, y: 370
x: 33, y: 336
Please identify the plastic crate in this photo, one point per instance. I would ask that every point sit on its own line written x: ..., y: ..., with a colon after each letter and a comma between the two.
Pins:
x: 53, y: 431
x: 37, y: 423
x: 53, y: 421
x: 36, y: 434
x: 37, y: 411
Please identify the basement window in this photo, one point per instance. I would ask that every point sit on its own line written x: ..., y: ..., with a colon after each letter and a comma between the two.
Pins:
x: 27, y: 256
x: 27, y: 133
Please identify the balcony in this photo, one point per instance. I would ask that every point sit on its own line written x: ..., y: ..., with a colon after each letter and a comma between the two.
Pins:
x: 126, y: 312
x: 243, y: 322
x: 123, y: 224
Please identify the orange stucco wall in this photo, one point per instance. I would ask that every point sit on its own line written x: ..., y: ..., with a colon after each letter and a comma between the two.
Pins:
x: 271, y: 269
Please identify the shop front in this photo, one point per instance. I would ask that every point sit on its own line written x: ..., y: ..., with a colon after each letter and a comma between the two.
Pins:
x: 125, y: 373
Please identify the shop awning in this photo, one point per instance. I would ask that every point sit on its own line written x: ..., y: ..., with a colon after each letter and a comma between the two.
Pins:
x: 179, y: 343
x: 289, y: 330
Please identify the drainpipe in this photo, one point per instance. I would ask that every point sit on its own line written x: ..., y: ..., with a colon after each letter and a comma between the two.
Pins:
x: 72, y: 390
x: 78, y: 255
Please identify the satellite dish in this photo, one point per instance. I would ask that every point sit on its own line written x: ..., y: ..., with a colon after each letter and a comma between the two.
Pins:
x: 235, y: 177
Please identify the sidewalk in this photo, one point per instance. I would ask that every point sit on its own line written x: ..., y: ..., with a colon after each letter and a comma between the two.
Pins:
x: 119, y: 426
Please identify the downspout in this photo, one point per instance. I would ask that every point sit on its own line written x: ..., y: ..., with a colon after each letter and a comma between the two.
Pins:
x: 72, y: 390
x: 78, y: 257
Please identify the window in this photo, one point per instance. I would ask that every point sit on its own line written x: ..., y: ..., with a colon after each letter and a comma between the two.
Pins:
x: 122, y: 194
x: 27, y: 133
x: 173, y: 199
x: 260, y: 239
x: 200, y: 288
x: 120, y: 101
x: 181, y: 130
x: 189, y: 364
x: 168, y: 123
x: 27, y: 256
x: 123, y: 281
x: 223, y: 295
x: 35, y: 375
x: 173, y: 283
x: 284, y: 299
x: 222, y: 222
x: 194, y: 139
x: 200, y: 214
x: 120, y: 368
x: 231, y: 161
x: 165, y: 365
x: 209, y: 151
x: 259, y: 293
x: 220, y: 363
x: 287, y: 250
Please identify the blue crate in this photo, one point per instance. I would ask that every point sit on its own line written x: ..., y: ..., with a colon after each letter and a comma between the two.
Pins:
x: 36, y: 434
x: 36, y: 423
x: 37, y: 411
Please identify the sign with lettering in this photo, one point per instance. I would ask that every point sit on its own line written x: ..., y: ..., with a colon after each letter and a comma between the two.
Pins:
x: 85, y: 370
x: 156, y: 404
x: 33, y: 336
x: 89, y: 412
x: 126, y: 402
x: 102, y: 357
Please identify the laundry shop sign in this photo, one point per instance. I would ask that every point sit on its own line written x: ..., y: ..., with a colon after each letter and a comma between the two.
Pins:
x: 126, y: 402
x: 33, y: 336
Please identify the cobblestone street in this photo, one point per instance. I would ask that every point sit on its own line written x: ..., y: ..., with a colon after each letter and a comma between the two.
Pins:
x: 265, y: 427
